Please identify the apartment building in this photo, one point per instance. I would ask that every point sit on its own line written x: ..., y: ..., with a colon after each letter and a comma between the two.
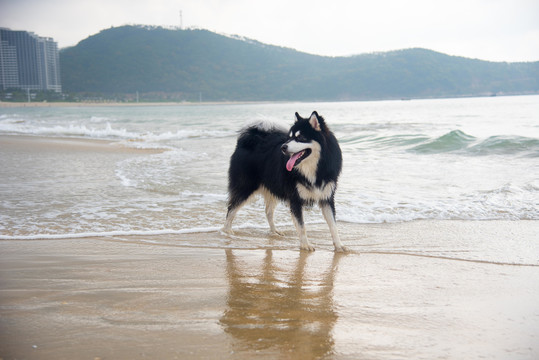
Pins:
x: 28, y: 61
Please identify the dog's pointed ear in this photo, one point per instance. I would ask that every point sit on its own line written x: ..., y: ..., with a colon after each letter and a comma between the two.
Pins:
x: 298, y: 118
x: 314, y: 121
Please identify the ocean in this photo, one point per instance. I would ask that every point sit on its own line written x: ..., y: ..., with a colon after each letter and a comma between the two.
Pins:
x: 163, y: 169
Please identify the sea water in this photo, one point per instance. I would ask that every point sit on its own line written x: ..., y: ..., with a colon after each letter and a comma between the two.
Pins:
x: 465, y: 159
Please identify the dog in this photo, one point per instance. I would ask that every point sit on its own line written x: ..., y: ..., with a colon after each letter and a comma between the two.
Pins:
x: 299, y: 166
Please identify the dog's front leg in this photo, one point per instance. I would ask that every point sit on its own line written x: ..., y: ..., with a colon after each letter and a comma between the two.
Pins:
x: 297, y: 217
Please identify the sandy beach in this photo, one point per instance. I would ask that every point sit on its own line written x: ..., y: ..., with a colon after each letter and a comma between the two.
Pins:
x: 162, y: 297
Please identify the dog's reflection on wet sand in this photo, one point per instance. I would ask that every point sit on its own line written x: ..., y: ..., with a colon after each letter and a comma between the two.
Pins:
x: 281, y: 305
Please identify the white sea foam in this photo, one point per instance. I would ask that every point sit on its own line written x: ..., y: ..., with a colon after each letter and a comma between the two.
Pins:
x: 110, y: 234
x: 72, y: 130
x: 159, y: 172
x: 101, y: 128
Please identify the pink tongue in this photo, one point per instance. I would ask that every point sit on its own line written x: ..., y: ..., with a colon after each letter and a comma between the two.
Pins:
x: 292, y: 161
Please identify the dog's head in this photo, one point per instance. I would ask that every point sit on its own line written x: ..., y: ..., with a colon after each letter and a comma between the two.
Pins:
x: 304, y: 142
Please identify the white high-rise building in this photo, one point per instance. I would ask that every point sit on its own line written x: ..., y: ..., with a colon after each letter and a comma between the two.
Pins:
x: 28, y: 61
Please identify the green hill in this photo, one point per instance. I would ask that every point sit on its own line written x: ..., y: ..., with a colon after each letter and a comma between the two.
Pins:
x: 130, y: 59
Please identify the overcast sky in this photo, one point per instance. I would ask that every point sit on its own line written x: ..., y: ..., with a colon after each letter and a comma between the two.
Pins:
x: 495, y: 30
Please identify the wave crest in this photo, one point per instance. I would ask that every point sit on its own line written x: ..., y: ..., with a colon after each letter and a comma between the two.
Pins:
x: 460, y: 142
x: 506, y: 145
x: 452, y: 141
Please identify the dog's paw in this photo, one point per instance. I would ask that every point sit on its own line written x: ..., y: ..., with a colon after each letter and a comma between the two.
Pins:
x: 276, y: 233
x: 306, y: 247
x: 225, y: 231
x: 341, y: 249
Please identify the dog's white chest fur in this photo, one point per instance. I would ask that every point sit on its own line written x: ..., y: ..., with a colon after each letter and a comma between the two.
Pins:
x: 315, y: 193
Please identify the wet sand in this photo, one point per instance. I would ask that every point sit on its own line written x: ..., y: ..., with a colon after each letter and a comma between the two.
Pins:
x: 419, y: 290
x: 38, y: 144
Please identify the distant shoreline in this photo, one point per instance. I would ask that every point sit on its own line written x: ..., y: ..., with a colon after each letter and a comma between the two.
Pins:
x: 4, y: 104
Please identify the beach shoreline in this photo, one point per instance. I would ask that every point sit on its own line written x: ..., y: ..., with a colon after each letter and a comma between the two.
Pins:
x: 162, y: 296
x: 4, y: 104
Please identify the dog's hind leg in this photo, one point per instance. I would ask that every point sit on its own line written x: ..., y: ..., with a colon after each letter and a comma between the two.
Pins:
x: 328, y: 210
x: 230, y: 215
x: 236, y: 201
x: 271, y: 203
x: 234, y: 205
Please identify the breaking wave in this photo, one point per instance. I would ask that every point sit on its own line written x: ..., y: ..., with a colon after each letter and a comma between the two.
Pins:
x: 101, y: 129
x: 506, y: 145
x: 452, y: 141
x: 459, y: 142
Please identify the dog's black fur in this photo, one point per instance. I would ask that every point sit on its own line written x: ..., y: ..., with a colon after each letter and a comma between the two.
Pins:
x: 300, y: 166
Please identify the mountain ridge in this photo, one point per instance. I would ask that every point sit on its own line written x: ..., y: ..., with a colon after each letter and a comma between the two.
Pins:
x: 185, y: 64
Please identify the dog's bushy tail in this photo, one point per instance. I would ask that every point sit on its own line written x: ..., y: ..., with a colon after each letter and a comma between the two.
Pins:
x: 264, y: 126
x: 254, y: 133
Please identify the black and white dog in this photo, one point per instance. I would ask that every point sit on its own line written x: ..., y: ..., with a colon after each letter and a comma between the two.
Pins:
x: 300, y: 166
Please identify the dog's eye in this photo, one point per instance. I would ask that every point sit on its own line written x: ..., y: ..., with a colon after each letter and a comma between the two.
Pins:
x: 301, y: 138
